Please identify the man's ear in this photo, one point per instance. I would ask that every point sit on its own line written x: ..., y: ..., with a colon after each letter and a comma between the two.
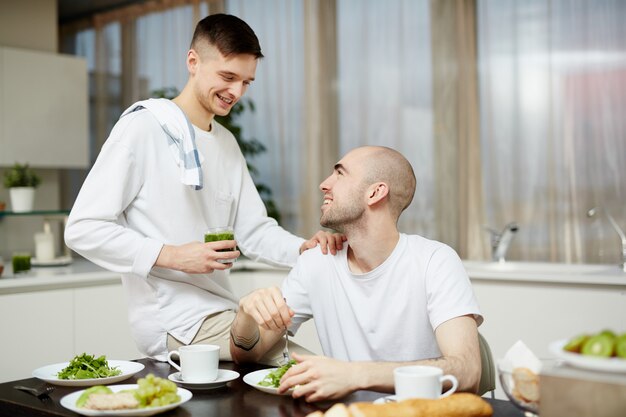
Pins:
x: 193, y: 59
x: 377, y: 192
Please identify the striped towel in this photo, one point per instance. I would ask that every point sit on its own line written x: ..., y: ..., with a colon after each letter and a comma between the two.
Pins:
x: 180, y: 136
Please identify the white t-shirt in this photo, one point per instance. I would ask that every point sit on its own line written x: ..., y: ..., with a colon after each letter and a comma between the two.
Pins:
x: 388, y: 314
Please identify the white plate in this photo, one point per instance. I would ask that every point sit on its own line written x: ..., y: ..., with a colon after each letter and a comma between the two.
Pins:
x: 223, y: 377
x: 69, y: 402
x: 253, y: 379
x: 49, y: 374
x: 387, y: 399
x: 617, y: 365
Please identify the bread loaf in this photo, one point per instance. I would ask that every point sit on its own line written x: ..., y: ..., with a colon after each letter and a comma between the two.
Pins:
x: 456, y: 405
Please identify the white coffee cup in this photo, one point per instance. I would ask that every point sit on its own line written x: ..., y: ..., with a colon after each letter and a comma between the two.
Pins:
x: 198, y: 363
x: 421, y: 382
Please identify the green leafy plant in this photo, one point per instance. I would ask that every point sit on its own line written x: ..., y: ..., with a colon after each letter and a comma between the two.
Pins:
x: 272, y: 379
x: 249, y: 147
x: 21, y: 176
x: 87, y: 367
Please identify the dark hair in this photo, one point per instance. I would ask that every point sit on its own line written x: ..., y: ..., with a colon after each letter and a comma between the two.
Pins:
x: 228, y: 33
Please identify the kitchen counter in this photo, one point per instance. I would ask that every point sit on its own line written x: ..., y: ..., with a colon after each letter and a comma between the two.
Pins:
x: 82, y: 273
x: 546, y: 272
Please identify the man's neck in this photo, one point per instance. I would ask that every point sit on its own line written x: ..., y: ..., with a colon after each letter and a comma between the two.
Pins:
x: 370, y: 247
x: 196, y: 114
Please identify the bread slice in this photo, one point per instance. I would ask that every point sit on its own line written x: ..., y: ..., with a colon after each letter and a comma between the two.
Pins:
x: 526, y: 385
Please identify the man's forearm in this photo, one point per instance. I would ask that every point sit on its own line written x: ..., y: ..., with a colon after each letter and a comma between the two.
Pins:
x: 244, y: 339
x: 378, y: 376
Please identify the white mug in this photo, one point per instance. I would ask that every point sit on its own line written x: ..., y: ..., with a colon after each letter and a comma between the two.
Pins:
x: 421, y: 382
x: 198, y: 363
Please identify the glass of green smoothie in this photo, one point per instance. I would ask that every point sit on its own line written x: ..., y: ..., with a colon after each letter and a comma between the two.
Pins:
x: 21, y: 262
x: 215, y: 234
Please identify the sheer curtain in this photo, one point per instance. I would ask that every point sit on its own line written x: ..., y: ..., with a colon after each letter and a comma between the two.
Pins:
x: 385, y: 91
x: 278, y: 93
x: 101, y: 48
x: 553, y: 98
x: 162, y: 43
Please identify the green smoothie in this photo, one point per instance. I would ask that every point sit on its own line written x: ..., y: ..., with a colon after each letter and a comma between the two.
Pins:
x: 21, y: 262
x: 220, y: 233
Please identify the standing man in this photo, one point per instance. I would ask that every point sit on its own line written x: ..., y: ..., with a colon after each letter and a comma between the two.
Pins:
x: 166, y: 174
x: 387, y: 300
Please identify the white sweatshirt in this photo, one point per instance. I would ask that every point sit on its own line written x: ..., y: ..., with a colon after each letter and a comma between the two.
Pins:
x: 133, y: 202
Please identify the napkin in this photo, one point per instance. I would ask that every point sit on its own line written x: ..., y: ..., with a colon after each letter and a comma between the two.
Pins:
x: 520, y: 356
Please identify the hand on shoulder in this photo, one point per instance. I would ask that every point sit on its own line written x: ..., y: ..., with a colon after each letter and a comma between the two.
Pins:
x: 327, y: 241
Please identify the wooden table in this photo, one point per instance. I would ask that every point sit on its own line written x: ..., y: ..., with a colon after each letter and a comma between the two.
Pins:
x: 236, y: 399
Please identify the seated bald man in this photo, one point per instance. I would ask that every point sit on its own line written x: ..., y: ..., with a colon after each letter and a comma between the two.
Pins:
x: 387, y: 299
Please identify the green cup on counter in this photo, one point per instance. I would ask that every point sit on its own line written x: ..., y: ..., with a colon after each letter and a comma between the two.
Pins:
x: 216, y: 234
x: 21, y: 262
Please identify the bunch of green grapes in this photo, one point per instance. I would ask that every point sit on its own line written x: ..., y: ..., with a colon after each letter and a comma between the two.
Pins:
x: 153, y: 391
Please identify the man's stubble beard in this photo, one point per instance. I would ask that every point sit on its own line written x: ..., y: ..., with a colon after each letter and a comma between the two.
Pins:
x: 342, y: 218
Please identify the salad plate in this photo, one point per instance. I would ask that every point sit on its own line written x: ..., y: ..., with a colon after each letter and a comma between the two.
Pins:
x: 224, y: 376
x: 253, y: 379
x: 69, y: 402
x: 615, y: 365
x: 49, y: 374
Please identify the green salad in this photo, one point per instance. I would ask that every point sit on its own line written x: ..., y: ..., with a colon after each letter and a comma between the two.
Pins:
x: 272, y: 379
x: 88, y: 367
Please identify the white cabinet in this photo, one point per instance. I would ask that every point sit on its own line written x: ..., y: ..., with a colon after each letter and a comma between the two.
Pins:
x: 45, y: 327
x: 36, y: 330
x: 43, y: 109
x: 101, y: 323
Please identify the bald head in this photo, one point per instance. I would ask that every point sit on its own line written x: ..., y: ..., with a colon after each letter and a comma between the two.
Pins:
x: 382, y: 164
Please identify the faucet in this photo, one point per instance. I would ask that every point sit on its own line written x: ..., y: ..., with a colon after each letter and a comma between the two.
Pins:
x: 500, y: 241
x: 592, y: 212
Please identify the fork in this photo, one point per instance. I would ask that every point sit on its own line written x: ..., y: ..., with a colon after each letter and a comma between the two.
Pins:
x: 39, y: 392
x: 286, y: 357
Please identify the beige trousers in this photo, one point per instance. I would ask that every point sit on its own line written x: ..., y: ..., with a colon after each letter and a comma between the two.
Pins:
x: 215, y: 330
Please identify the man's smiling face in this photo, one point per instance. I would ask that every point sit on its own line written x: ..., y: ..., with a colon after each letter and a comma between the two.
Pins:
x: 344, y: 193
x: 219, y: 81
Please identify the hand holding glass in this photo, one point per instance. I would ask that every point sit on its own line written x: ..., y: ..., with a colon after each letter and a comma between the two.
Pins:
x: 216, y: 234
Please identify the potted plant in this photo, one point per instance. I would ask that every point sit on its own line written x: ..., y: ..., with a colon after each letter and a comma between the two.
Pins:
x: 21, y: 181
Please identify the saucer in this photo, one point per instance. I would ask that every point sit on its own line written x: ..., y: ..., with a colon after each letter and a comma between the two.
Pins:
x: 387, y: 399
x: 223, y: 377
